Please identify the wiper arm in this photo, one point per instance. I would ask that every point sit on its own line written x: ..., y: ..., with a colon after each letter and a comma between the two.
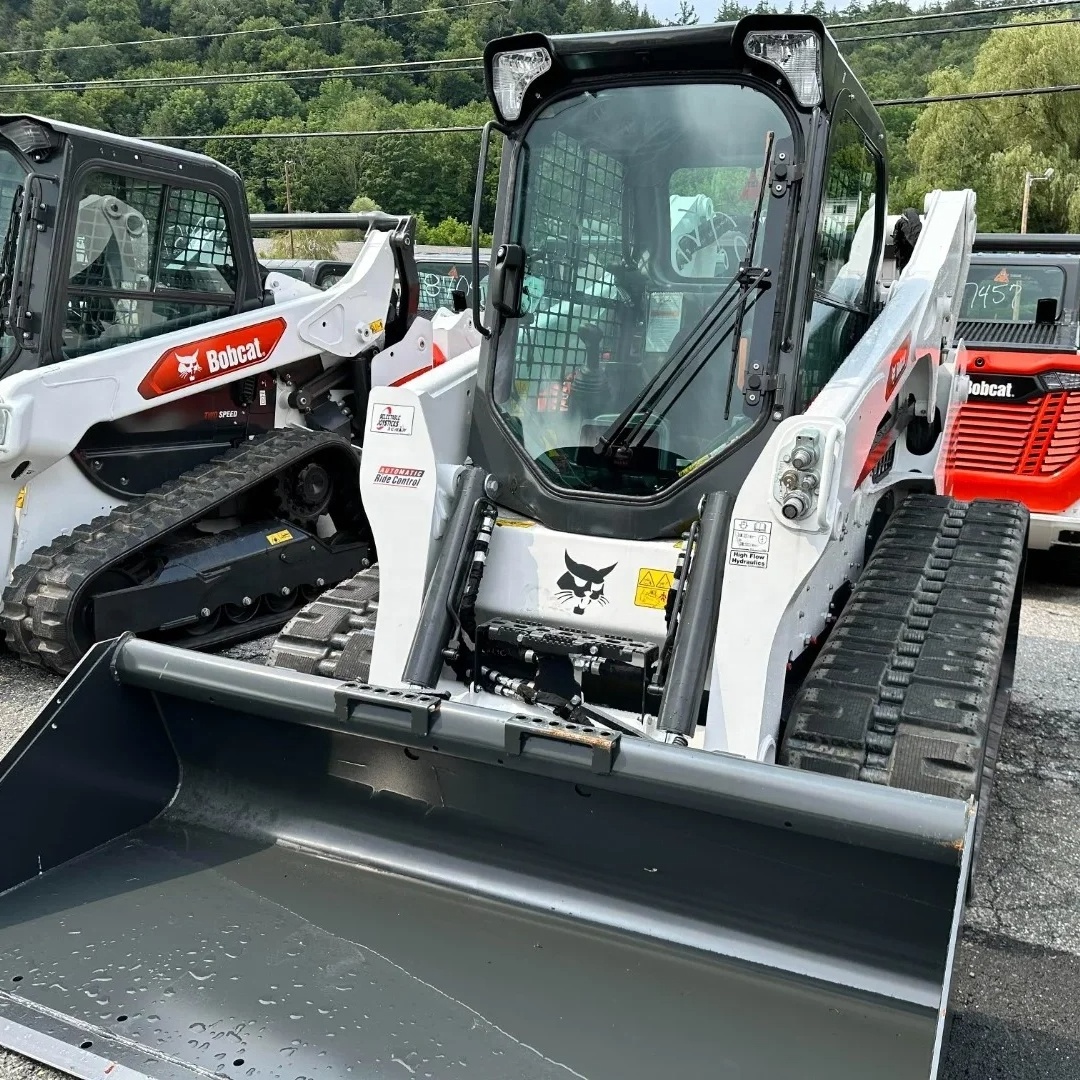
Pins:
x: 676, y: 369
x: 654, y: 386
x: 683, y: 374
x: 7, y: 258
x: 747, y: 258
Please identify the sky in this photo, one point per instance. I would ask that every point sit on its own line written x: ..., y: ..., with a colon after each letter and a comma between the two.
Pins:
x: 706, y: 9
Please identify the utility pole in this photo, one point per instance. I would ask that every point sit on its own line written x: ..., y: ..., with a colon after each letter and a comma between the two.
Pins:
x: 1029, y: 179
x: 288, y: 209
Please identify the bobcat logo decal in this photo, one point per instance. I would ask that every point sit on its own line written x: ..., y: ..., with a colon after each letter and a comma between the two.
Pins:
x: 187, y: 367
x: 582, y: 585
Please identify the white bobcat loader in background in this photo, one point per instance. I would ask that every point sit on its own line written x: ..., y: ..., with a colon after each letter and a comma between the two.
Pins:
x: 177, y: 427
x: 657, y: 742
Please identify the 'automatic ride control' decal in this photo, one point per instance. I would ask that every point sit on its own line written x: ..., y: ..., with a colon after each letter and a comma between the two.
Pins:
x: 212, y: 357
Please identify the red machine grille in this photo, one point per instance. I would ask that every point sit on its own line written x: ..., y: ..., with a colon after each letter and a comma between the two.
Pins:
x: 1033, y: 439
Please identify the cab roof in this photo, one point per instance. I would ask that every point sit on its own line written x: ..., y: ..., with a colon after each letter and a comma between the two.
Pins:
x: 676, y: 51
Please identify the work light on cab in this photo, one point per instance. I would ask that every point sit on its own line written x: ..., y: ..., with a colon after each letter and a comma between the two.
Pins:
x: 512, y: 75
x: 797, y: 54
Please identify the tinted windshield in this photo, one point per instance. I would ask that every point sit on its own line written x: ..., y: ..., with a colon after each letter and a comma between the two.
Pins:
x: 12, y: 177
x: 634, y: 206
x: 1010, y: 292
x: 440, y: 280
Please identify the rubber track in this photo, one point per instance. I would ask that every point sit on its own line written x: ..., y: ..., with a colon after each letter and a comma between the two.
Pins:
x: 333, y: 635
x: 37, y: 605
x: 909, y: 689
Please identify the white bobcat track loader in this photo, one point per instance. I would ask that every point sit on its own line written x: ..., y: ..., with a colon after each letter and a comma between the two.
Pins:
x: 177, y: 428
x: 658, y: 741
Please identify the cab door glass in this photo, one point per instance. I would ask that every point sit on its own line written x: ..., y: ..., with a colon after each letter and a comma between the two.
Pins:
x: 146, y: 259
x: 841, y: 264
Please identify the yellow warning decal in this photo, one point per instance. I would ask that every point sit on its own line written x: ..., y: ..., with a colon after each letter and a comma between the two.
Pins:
x: 279, y: 537
x: 376, y: 326
x: 652, y: 587
x: 20, y: 499
x: 514, y: 523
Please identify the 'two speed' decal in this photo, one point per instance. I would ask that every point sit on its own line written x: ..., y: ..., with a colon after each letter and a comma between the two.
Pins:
x: 211, y: 357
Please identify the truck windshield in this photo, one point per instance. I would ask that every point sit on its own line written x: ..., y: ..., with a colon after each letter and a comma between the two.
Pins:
x: 12, y: 180
x: 635, y: 208
x: 1010, y: 292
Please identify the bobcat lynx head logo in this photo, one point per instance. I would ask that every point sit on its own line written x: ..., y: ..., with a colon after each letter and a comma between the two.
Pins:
x: 187, y: 367
x: 582, y: 585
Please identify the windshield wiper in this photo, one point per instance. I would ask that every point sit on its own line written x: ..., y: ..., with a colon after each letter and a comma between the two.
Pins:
x: 677, y: 370
x: 7, y: 260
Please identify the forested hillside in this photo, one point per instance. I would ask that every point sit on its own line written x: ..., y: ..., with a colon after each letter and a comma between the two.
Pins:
x: 197, y: 67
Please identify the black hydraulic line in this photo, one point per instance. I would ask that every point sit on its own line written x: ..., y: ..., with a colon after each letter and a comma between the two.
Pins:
x: 433, y: 627
x: 361, y: 387
x: 692, y: 655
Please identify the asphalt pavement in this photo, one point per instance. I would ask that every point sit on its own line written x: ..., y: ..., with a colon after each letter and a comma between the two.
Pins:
x: 1017, y: 972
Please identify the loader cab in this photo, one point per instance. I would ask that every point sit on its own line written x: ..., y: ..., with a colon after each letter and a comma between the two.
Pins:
x: 110, y: 240
x: 687, y: 240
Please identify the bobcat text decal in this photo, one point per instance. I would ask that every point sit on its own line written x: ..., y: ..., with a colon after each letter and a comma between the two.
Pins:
x: 583, y: 585
x: 982, y: 388
x: 212, y: 357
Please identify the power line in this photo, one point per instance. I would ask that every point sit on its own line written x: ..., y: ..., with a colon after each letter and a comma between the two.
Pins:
x: 981, y: 10
x: 958, y: 29
x: 238, y: 77
x: 313, y: 134
x: 168, y: 38
x: 980, y: 95
x: 215, y: 78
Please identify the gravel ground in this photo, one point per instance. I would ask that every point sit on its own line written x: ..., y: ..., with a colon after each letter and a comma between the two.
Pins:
x: 1018, y: 966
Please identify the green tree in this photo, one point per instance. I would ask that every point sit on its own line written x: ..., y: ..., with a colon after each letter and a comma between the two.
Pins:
x: 988, y: 145
x: 687, y: 15
x: 304, y: 244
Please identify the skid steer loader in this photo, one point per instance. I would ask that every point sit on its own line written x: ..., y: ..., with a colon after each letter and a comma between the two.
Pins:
x: 178, y: 429
x: 658, y: 741
x: 1017, y: 434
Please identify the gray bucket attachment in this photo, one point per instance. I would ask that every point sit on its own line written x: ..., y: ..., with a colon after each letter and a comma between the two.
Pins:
x: 216, y: 869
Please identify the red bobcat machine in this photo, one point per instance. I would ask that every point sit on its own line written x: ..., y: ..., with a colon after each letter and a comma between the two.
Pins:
x: 1017, y: 434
